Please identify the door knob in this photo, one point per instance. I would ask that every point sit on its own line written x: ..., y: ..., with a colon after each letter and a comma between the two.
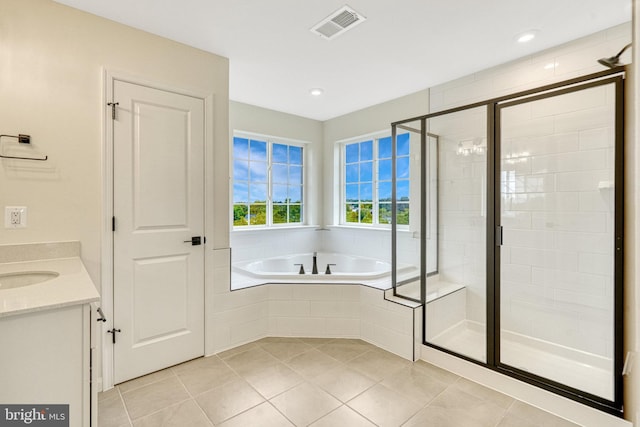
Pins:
x: 195, y: 241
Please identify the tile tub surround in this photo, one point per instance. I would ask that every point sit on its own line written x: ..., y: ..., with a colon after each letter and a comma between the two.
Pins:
x: 72, y: 286
x: 311, y: 381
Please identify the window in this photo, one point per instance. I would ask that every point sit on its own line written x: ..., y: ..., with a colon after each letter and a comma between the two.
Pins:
x: 367, y: 181
x: 267, y: 182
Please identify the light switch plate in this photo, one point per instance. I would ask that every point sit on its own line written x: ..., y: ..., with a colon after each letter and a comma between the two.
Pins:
x: 15, y: 216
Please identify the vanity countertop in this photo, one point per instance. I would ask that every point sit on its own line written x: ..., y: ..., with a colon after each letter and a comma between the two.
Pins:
x: 72, y: 286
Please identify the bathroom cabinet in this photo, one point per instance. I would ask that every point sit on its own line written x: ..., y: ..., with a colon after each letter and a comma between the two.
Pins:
x: 46, y: 358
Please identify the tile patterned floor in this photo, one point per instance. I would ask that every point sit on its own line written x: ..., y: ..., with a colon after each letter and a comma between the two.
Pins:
x: 311, y: 382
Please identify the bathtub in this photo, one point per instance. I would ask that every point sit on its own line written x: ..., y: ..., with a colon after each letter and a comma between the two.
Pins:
x: 347, y: 268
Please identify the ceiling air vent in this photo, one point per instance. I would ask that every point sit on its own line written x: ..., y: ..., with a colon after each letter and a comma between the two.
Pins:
x: 337, y: 23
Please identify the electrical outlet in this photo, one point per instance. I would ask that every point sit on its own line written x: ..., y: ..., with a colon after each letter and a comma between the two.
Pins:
x: 15, y: 216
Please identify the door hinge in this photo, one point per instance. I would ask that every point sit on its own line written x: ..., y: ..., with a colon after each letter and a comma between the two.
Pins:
x: 113, y: 109
x: 113, y: 332
x: 498, y: 235
x: 113, y: 223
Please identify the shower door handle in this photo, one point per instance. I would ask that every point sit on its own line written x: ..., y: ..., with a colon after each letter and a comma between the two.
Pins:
x: 498, y: 235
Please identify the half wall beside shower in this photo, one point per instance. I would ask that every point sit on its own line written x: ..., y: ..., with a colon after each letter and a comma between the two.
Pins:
x: 523, y: 207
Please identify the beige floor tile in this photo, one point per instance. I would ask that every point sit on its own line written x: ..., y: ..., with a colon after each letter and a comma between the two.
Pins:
x: 236, y: 350
x: 186, y: 413
x: 112, y: 412
x: 144, y: 380
x: 154, y: 397
x: 250, y: 361
x: 414, y: 385
x: 343, y: 417
x: 378, y: 364
x: 312, y: 363
x: 435, y: 372
x: 263, y: 415
x: 345, y: 350
x: 105, y: 395
x: 273, y: 380
x: 484, y: 393
x: 228, y: 400
x: 343, y: 382
x: 317, y: 342
x: 524, y: 411
x: 286, y: 350
x: 305, y: 403
x: 454, y: 407
x: 204, y: 374
x: 384, y: 407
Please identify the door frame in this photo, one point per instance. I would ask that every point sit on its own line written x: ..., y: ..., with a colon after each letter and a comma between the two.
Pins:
x: 106, y: 234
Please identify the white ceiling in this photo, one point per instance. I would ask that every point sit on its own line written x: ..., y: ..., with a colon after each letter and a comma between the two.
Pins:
x: 404, y: 46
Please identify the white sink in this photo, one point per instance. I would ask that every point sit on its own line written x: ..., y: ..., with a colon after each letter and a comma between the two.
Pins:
x: 25, y: 278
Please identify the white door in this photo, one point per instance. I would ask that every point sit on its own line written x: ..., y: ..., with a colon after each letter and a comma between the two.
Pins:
x: 158, y: 205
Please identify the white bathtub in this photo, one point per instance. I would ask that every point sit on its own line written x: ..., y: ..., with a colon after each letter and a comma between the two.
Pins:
x: 347, y: 268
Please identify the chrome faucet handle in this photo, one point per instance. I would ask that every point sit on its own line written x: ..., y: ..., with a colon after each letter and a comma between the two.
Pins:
x: 328, y: 270
x: 301, y: 268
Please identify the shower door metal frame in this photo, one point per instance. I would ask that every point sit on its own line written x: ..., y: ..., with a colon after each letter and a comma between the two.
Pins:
x: 614, y: 75
x: 613, y: 406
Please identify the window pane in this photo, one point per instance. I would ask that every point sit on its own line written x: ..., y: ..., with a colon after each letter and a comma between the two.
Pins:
x: 279, y: 194
x: 366, y: 192
x: 257, y: 214
x: 366, y: 213
x: 258, y: 193
x: 353, y: 172
x: 352, y: 192
x: 384, y: 213
x: 366, y: 171
x: 384, y: 148
x: 402, y: 190
x: 403, y: 145
x: 280, y: 214
x: 295, y: 155
x: 352, y: 151
x: 258, y: 150
x: 384, y: 191
x: 384, y: 170
x: 295, y: 213
x: 295, y: 193
x: 240, y: 215
x: 295, y: 174
x: 402, y: 170
x: 240, y: 170
x: 366, y: 150
x: 279, y: 173
x: 351, y: 211
x: 279, y: 153
x: 258, y: 171
x: 402, y: 215
x: 240, y: 148
x: 240, y: 192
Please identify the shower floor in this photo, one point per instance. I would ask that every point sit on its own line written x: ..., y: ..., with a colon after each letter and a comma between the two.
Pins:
x: 576, y: 369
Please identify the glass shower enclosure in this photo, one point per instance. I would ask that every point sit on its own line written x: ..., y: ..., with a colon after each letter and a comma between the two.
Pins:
x: 515, y: 232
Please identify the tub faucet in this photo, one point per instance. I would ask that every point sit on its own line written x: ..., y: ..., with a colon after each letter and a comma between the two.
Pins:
x: 314, y: 270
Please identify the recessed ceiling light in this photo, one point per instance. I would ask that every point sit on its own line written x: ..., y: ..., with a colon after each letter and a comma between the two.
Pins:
x: 527, y: 36
x: 316, y: 91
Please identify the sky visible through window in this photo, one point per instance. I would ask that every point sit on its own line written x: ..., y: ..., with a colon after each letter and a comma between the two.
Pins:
x: 368, y: 180
x: 267, y: 182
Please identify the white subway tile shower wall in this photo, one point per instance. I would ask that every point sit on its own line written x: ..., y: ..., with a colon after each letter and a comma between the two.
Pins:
x: 557, y: 277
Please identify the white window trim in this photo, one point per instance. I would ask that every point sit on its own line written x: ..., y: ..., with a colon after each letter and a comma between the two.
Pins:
x: 270, y: 140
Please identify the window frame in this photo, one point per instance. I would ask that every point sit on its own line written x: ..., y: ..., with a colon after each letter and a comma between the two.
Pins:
x: 270, y: 140
x: 342, y: 215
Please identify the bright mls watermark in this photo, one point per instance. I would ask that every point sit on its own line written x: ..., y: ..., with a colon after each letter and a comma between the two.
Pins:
x: 34, y: 415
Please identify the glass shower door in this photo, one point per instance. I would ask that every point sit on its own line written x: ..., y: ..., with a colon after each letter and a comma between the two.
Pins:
x: 557, y: 227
